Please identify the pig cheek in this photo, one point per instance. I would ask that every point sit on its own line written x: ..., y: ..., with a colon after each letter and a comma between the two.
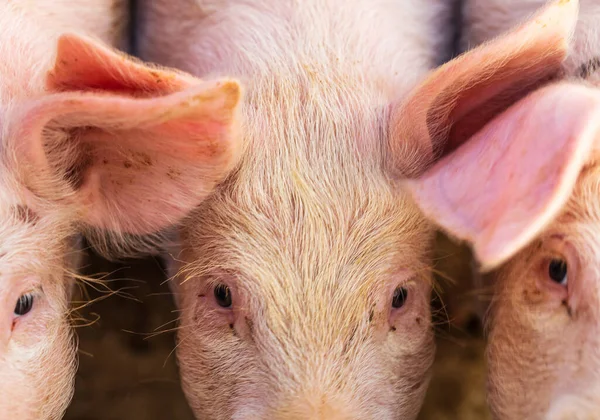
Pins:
x: 521, y: 372
x: 528, y: 297
x: 49, y: 315
x: 411, y: 346
x: 525, y: 347
x: 217, y: 367
x: 42, y: 375
x: 212, y: 374
x: 58, y: 372
x: 410, y: 328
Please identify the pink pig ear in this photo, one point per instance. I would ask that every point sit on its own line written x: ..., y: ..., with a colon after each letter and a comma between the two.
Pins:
x: 460, y: 97
x: 499, y: 190
x: 140, y: 146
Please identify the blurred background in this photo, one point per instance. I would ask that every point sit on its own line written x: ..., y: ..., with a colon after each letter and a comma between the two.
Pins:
x: 128, y: 369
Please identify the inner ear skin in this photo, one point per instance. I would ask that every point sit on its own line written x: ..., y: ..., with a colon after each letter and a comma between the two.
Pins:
x: 75, y: 172
x: 459, y: 128
x: 68, y: 142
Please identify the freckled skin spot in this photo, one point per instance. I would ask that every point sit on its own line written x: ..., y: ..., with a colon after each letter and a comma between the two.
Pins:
x: 127, y: 164
x: 145, y: 158
x: 173, y: 173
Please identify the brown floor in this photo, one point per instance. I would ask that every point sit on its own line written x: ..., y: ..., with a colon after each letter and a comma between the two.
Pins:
x: 126, y: 375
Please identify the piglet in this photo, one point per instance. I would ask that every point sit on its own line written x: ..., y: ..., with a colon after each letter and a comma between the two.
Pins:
x: 90, y: 141
x: 304, y: 278
x: 531, y: 213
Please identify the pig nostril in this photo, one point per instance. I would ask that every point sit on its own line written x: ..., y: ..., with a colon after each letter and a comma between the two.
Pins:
x: 24, y: 304
x: 557, y: 270
x: 400, y: 295
x: 223, y: 295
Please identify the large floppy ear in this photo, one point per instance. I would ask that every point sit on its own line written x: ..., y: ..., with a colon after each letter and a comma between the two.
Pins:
x: 458, y: 99
x: 500, y: 189
x: 136, y: 146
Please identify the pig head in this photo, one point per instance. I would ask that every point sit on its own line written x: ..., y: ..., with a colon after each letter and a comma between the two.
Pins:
x: 90, y: 141
x: 530, y: 211
x: 303, y: 280
x: 535, y: 233
x: 530, y: 208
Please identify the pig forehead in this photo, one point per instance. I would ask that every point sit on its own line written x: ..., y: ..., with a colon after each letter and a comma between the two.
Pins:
x: 29, y: 241
x: 324, y: 239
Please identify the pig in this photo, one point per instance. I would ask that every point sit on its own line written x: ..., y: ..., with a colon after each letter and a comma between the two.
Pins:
x: 536, y: 240
x: 91, y: 142
x: 304, y: 279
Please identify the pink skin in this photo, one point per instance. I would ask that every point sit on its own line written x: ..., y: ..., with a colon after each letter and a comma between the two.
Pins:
x: 286, y: 274
x: 90, y: 141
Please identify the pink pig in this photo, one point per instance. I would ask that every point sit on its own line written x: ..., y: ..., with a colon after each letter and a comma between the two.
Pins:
x: 304, y: 279
x: 90, y: 141
x: 538, y: 236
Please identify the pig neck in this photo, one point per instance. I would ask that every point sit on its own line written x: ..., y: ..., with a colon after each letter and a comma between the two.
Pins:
x: 319, y: 75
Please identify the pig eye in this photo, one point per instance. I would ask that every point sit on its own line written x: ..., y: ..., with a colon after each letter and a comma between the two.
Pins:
x: 400, y: 295
x: 557, y: 270
x: 24, y: 304
x: 223, y: 295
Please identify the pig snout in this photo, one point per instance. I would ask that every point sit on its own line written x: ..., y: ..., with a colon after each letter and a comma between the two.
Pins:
x: 317, y: 407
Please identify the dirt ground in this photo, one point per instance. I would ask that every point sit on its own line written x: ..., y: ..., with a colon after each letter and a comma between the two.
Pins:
x: 125, y: 374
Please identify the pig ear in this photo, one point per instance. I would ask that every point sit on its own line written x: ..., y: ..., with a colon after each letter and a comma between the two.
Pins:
x: 463, y: 95
x: 499, y: 190
x: 137, y: 146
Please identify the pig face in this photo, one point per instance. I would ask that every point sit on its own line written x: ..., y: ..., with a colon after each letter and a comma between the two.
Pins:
x: 303, y: 280
x: 544, y: 347
x: 37, y: 358
x: 281, y: 321
x: 93, y: 152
